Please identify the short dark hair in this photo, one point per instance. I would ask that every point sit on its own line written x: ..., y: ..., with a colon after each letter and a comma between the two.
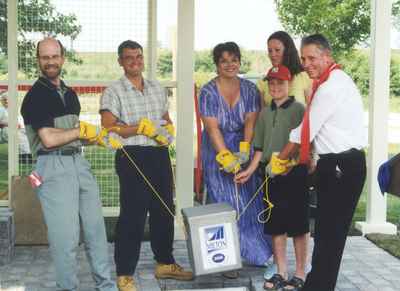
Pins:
x: 128, y: 44
x: 62, y: 49
x: 230, y: 47
x: 317, y: 39
x: 291, y: 57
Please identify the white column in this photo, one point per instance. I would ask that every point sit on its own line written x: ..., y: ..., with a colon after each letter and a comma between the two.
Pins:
x: 12, y: 14
x: 152, y: 40
x: 378, y: 117
x: 185, y: 107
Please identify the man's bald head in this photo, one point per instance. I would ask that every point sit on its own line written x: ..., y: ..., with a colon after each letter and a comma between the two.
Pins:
x: 50, y: 55
x: 49, y: 41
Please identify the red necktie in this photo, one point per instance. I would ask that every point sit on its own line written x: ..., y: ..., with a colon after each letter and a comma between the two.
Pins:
x: 305, y: 129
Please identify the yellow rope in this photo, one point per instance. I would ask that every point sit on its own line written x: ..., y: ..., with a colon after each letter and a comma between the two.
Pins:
x: 269, y: 204
x: 266, y: 199
x: 238, y: 214
x: 148, y: 182
x: 252, y: 199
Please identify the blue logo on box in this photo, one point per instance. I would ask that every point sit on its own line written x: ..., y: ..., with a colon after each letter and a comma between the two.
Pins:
x: 218, y: 258
x: 216, y: 239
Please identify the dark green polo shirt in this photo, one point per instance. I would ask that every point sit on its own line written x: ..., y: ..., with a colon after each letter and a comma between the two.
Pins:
x: 273, y: 126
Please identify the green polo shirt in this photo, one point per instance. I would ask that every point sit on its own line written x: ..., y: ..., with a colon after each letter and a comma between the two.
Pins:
x: 273, y: 126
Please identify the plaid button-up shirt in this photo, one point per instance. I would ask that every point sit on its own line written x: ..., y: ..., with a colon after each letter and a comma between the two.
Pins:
x: 129, y: 105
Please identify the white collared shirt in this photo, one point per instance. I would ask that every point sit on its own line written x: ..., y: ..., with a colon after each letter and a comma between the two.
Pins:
x: 336, y: 116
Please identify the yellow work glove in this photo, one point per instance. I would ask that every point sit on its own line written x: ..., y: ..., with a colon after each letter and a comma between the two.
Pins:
x: 105, y: 140
x: 147, y: 127
x: 88, y: 131
x: 277, y: 166
x: 292, y: 163
x: 170, y: 129
x: 165, y: 134
x: 163, y: 137
x: 229, y: 163
x: 244, y: 152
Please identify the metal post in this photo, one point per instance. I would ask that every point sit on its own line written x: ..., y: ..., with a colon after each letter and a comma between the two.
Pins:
x: 378, y: 114
x: 185, y: 105
x: 12, y: 32
x: 152, y: 40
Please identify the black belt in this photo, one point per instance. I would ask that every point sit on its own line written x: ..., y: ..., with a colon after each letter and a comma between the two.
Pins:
x: 350, y: 151
x: 61, y: 152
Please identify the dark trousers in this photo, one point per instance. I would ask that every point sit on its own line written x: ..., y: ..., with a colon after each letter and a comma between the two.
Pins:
x: 339, y: 183
x: 136, y: 200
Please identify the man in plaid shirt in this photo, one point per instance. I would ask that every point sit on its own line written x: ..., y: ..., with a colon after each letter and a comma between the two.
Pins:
x: 137, y: 110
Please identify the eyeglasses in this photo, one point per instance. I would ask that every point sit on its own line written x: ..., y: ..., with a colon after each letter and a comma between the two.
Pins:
x: 49, y: 58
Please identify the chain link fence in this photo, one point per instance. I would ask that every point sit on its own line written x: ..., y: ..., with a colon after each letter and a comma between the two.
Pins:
x: 91, y: 31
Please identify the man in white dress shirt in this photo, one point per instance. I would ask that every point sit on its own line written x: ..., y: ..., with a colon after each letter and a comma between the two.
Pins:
x: 338, y: 137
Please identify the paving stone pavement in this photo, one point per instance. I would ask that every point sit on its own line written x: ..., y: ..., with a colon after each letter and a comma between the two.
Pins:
x: 365, y: 267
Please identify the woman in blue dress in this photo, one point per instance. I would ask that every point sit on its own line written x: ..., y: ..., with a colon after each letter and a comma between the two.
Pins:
x: 229, y: 106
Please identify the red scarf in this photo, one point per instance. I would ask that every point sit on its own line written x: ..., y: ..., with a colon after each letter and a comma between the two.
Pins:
x: 305, y: 129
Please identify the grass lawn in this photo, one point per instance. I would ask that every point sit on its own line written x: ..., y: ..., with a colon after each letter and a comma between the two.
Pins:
x: 390, y: 243
x: 393, y: 209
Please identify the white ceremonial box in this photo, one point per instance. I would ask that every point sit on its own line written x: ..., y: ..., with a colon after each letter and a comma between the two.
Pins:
x: 213, y: 242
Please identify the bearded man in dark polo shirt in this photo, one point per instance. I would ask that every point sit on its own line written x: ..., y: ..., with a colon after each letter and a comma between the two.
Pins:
x: 68, y: 192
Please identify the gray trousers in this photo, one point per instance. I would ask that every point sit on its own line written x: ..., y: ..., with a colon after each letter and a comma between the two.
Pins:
x: 69, y: 194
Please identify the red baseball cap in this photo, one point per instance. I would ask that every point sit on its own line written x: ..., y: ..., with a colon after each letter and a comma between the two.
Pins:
x: 279, y: 72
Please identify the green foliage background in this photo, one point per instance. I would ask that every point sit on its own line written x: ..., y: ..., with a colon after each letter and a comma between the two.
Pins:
x: 36, y: 16
x: 345, y: 23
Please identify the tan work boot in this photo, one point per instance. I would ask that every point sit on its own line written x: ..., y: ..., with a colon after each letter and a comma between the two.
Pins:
x: 172, y: 271
x: 126, y: 283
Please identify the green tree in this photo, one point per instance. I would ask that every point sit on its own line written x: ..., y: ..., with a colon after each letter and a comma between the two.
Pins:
x: 394, y: 77
x: 37, y: 16
x: 3, y: 65
x: 203, y: 61
x: 164, y: 63
x: 356, y: 64
x: 396, y: 13
x: 345, y: 23
x: 245, y: 66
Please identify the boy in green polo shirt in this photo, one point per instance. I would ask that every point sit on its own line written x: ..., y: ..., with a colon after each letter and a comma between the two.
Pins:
x: 288, y: 193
